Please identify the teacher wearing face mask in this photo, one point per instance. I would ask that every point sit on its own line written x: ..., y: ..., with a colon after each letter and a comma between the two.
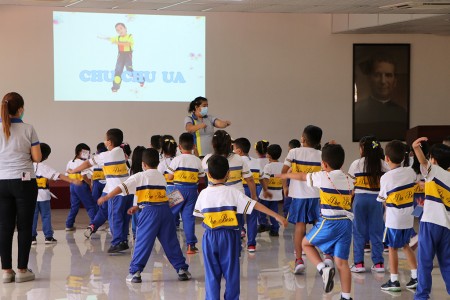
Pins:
x: 201, y: 125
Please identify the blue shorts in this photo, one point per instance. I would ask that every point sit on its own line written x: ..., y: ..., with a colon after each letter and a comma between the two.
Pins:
x: 397, y: 238
x: 304, y: 211
x: 332, y: 236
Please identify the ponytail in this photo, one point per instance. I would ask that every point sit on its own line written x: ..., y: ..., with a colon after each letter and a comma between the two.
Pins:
x: 10, y: 105
x: 373, y: 155
x: 169, y: 147
x: 261, y: 147
x: 221, y: 143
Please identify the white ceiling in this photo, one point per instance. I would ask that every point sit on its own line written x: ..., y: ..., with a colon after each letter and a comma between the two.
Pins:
x: 440, y: 24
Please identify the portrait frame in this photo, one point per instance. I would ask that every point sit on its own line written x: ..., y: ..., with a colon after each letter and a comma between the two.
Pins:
x: 381, y: 91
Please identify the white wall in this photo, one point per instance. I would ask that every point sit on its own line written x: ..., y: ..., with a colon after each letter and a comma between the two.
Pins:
x: 270, y: 74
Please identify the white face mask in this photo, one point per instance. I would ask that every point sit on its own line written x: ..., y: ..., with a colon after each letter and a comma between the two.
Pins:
x: 204, y: 111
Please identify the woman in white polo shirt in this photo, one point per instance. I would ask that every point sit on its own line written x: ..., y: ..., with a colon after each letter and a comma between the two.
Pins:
x: 201, y: 125
x: 19, y: 148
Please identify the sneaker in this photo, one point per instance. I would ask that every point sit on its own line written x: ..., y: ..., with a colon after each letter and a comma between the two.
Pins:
x: 262, y: 228
x: 114, y: 249
x: 251, y: 248
x: 191, y: 249
x: 299, y: 266
x: 379, y: 268
x: 70, y: 228
x: 89, y: 231
x: 9, y: 277
x: 184, y: 275
x: 328, y: 261
x: 412, y: 284
x: 414, y: 241
x: 25, y: 276
x: 386, y: 249
x: 367, y: 248
x: 274, y: 233
x: 358, y: 268
x: 391, y: 286
x: 123, y: 246
x: 33, y: 241
x: 327, y: 274
x: 243, y: 234
x: 50, y: 240
x: 135, y: 278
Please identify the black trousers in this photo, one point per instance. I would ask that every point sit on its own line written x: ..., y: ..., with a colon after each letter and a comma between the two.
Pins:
x: 17, y: 204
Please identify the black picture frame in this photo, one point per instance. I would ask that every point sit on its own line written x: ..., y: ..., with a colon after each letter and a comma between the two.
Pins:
x: 381, y: 91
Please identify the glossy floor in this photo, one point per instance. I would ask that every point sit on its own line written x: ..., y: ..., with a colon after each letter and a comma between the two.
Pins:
x: 76, y: 268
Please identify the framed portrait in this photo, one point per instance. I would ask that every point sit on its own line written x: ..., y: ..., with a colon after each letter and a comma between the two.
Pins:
x: 381, y: 75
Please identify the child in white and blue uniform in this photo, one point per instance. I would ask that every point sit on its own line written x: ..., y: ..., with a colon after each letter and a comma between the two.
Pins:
x: 218, y: 205
x: 434, y: 231
x: 155, y: 218
x: 397, y: 191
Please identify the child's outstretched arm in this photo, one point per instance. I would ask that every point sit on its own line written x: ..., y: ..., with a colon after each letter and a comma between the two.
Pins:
x: 85, y: 165
x: 116, y: 191
x: 263, y: 209
x: 418, y: 151
x: 69, y: 180
x: 296, y: 176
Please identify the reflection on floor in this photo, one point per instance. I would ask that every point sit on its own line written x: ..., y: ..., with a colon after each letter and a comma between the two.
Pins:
x: 77, y: 268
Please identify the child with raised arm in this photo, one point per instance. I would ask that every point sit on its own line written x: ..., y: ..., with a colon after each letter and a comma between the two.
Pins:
x: 116, y: 172
x: 218, y: 205
x: 434, y: 231
x: 304, y: 208
x: 44, y: 173
x: 185, y: 171
x: 272, y: 187
x: 332, y: 234
x: 397, y: 191
x: 155, y: 219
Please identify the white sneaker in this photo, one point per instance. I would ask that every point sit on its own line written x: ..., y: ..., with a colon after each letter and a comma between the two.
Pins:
x: 8, y: 277
x: 299, y: 266
x: 414, y: 240
x: 327, y: 277
x: 25, y: 276
x: 379, y: 268
x: 358, y: 268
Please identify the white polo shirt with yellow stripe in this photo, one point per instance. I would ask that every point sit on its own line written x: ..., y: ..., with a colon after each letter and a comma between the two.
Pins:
x: 255, y: 168
x: 275, y: 185
x: 306, y: 160
x: 436, y: 209
x: 361, y: 181
x: 336, y: 189
x: 163, y: 165
x: 72, y: 164
x: 44, y: 173
x: 149, y: 187
x: 397, y: 190
x: 239, y: 170
x: 186, y: 169
x: 218, y: 206
x: 114, y: 167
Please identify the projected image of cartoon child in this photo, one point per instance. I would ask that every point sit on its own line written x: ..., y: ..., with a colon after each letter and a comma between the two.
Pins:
x: 125, y: 44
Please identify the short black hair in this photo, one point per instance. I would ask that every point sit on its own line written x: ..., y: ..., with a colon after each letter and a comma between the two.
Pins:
x: 441, y: 153
x: 243, y: 144
x: 221, y: 143
x: 274, y: 151
x: 368, y: 66
x: 218, y: 166
x: 45, y: 150
x: 186, y: 141
x: 313, y: 135
x: 155, y: 141
x: 333, y: 155
x: 150, y: 157
x: 294, y: 143
x: 396, y: 151
x: 101, y: 147
x: 115, y: 136
x: 126, y: 148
